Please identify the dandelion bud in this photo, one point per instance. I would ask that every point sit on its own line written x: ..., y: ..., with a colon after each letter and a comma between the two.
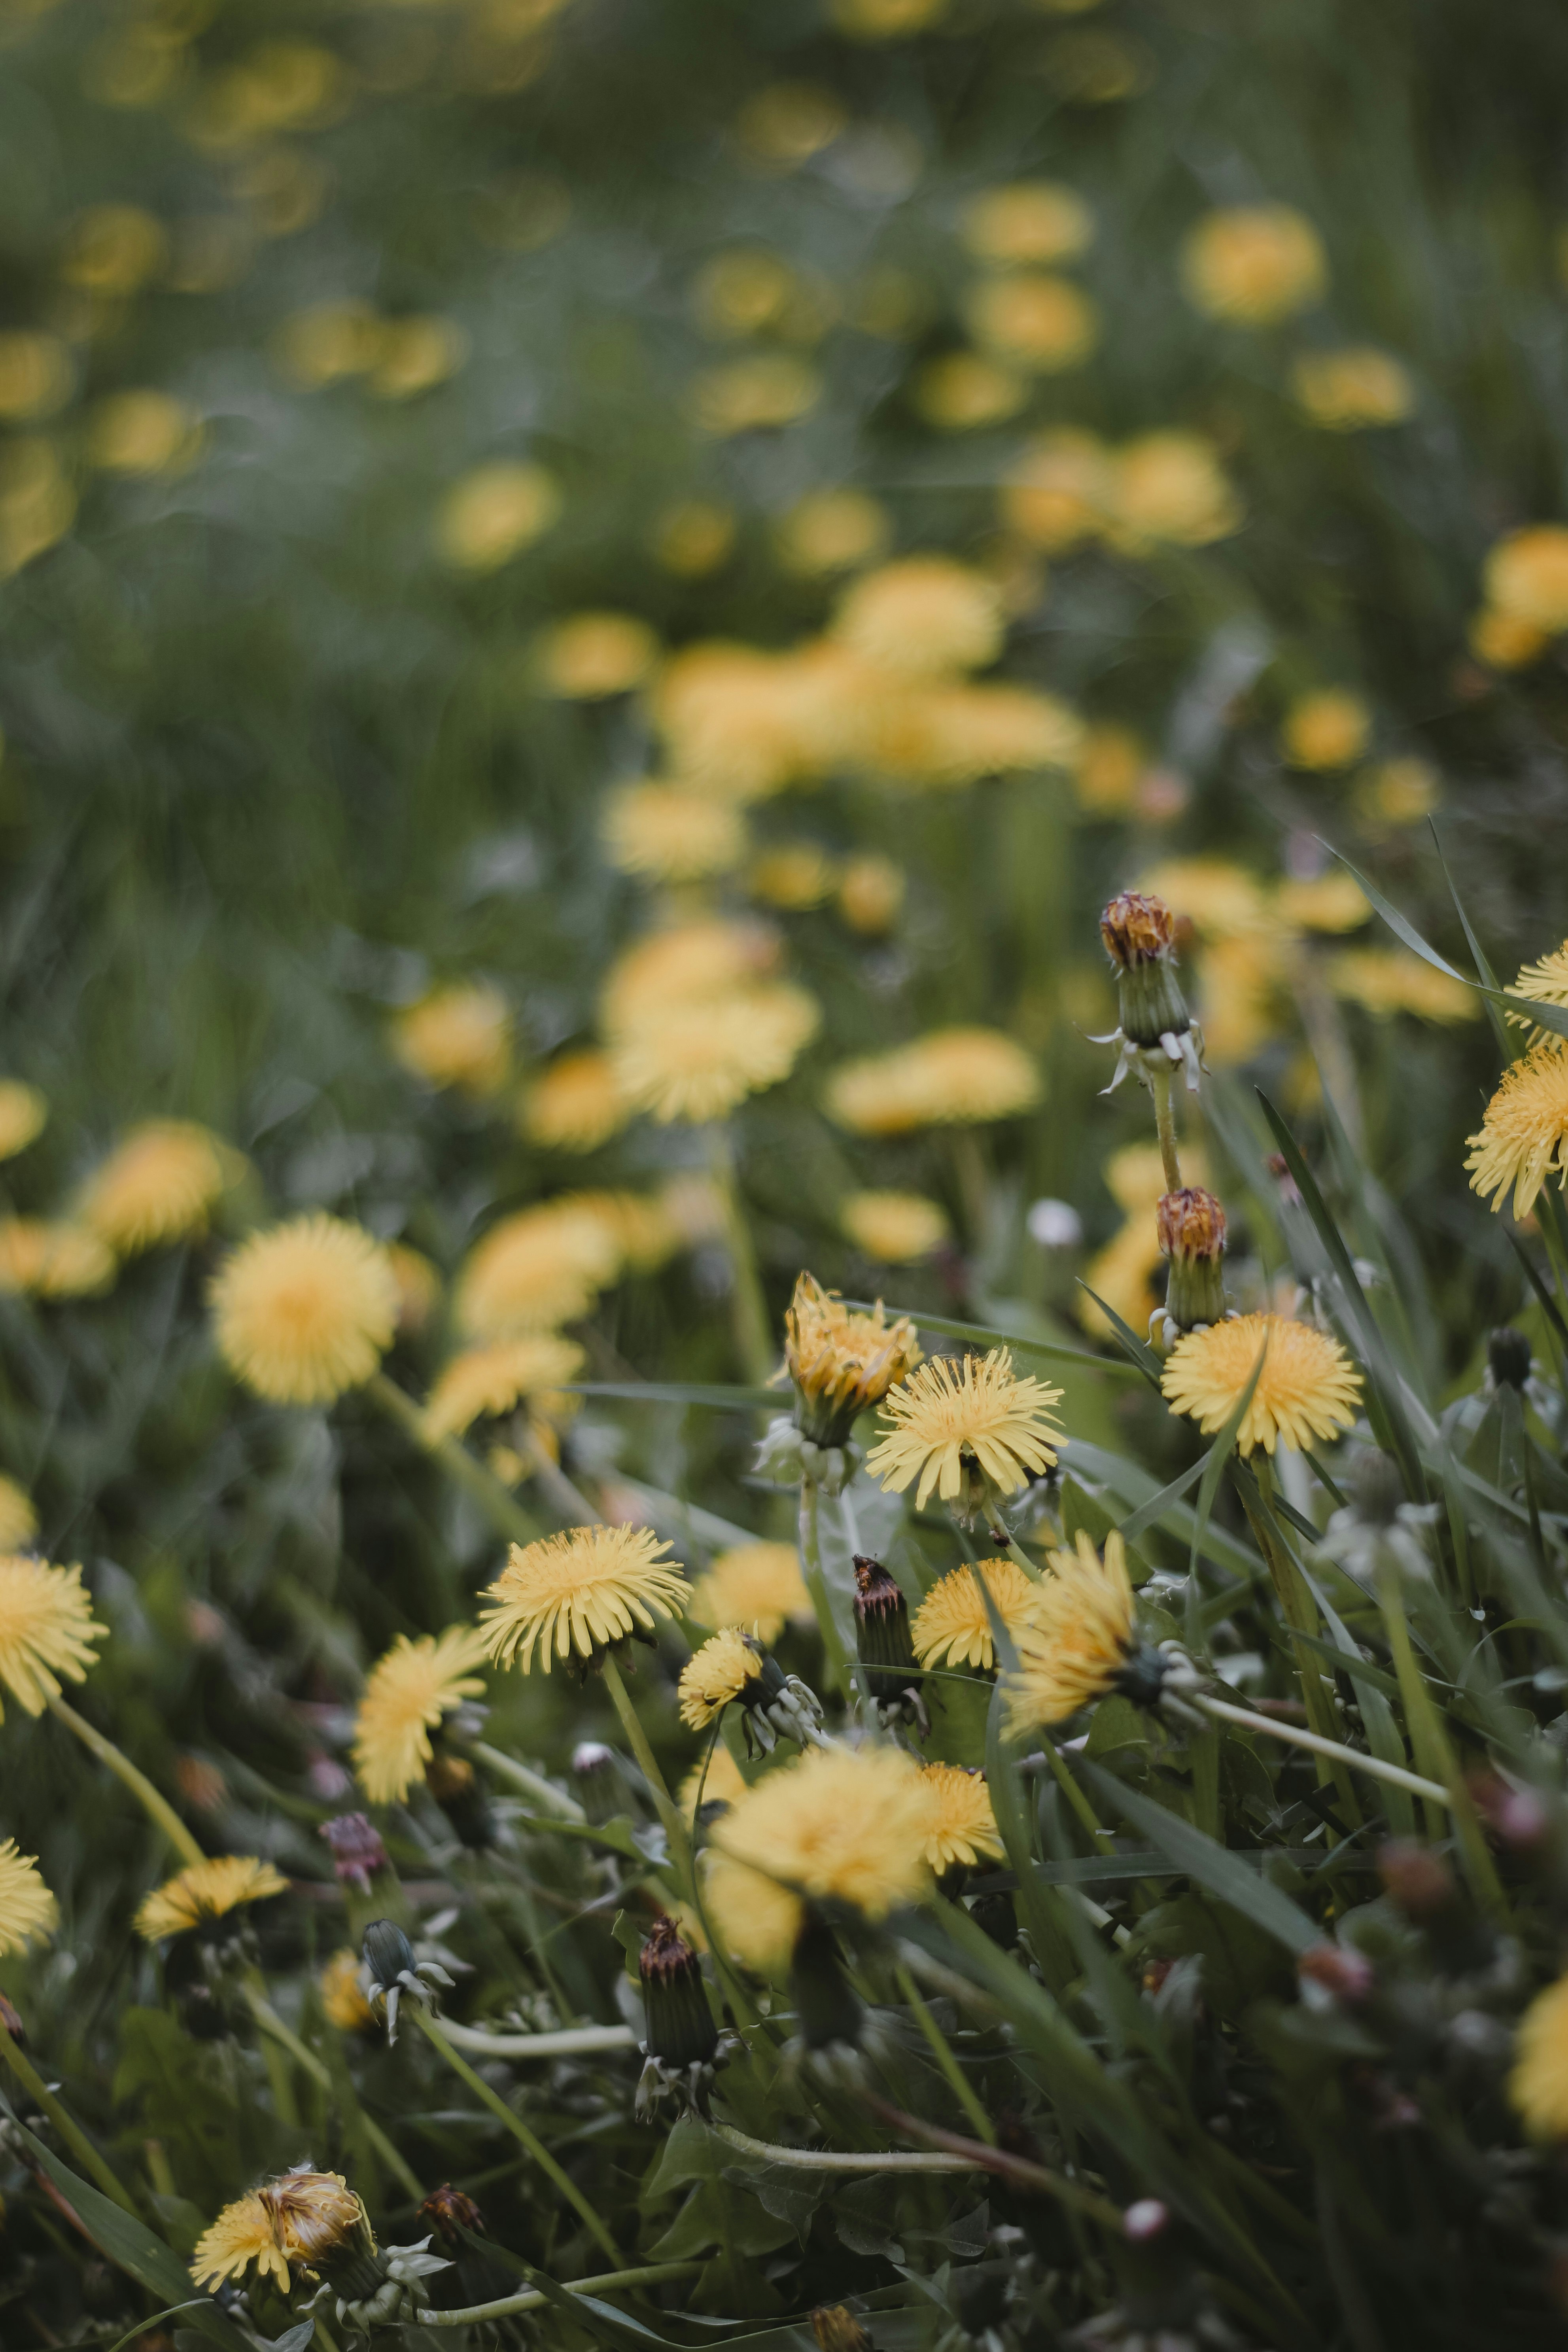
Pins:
x: 598, y: 1781
x: 677, y: 2023
x: 1339, y: 1969
x: 357, y: 1850
x: 1418, y: 1880
x: 1376, y: 1487
x: 11, y: 2022
x: 836, y: 2329
x: 1140, y: 935
x: 882, y: 1641
x: 449, y: 2212
x: 457, y: 1789
x: 387, y: 1952
x: 828, y: 2009
x: 1508, y: 1357
x: 1191, y: 1226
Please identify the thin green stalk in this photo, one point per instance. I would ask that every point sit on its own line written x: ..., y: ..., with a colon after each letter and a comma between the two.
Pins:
x: 532, y: 1784
x: 1074, y: 1795
x: 505, y: 1513
x: 534, y: 2147
x: 993, y: 1521
x: 822, y: 2159
x: 1395, y: 1774
x: 840, y: 1666
x: 974, y: 1187
x: 531, y: 2299
x: 270, y: 2021
x: 157, y: 1808
x: 1433, y: 1747
x: 754, y: 1330
x: 1301, y: 1616
x: 648, y: 1764
x: 70, y: 2130
x: 1161, y: 1086
x: 942, y: 2050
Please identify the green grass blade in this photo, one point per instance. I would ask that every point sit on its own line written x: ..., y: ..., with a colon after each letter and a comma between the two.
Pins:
x: 1138, y: 1351
x: 1225, y: 1875
x: 1539, y: 1016
x: 1055, y: 1351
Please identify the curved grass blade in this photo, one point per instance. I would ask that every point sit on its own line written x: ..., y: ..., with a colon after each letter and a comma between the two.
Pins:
x: 1223, y: 1874
x: 1508, y: 1040
x: 1138, y: 1351
x: 1218, y: 1454
x: 1136, y: 1486
x: 722, y: 1400
x: 1055, y: 1351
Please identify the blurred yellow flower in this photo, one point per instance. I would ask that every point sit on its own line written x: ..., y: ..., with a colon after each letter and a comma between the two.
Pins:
x: 28, y: 1909
x: 205, y: 1891
x: 38, y: 504
x: 329, y: 341
x: 1307, y: 1387
x: 1522, y: 1140
x: 1255, y: 264
x: 490, y: 1380
x: 1218, y: 898
x: 343, y: 2004
x: 793, y: 875
x: 738, y: 722
x: 112, y: 249
x: 1331, y: 729
x: 1121, y: 1274
x: 643, y: 1226
x: 1526, y: 576
x: 831, y: 530
x: 772, y: 389
x: 492, y: 514
x: 690, y: 964
x: 1064, y: 492
x: 595, y: 655
x: 724, y: 1782
x: 671, y: 834
x: 959, y: 1076
x: 23, y: 1114
x: 43, y: 1258
x: 1033, y: 320
x: 579, y: 1590
x: 418, y: 1285
x: 921, y: 616
x: 871, y: 894
x: 18, y: 1519
x: 964, y: 391
x: 1109, y: 769
x: 35, y: 375
x: 757, y: 1586
x: 884, y: 20
x: 961, y: 1826
x: 539, y: 1267
x: 700, y: 1061
x: 741, y: 290
x: 305, y: 1310
x: 953, y: 733
x: 898, y: 1228
x: 144, y: 432
x: 1334, y: 901
x: 1171, y: 486
x: 47, y: 1629
x: 1503, y: 641
x: 954, y: 1621
x: 693, y: 538
x: 458, y: 1036
x: 159, y: 1184
x: 1537, y: 2085
x: 1346, y: 391
x: 407, y: 1694
x: 1387, y: 979
x: 575, y: 1105
x: 1397, y: 792
x: 416, y: 355
x: 1026, y: 221
x: 788, y: 122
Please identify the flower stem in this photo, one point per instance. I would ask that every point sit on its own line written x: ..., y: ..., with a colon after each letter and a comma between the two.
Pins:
x: 824, y: 2159
x: 754, y: 1332
x: 1433, y: 1747
x: 157, y: 1808
x: 1161, y: 1086
x: 534, y: 2147
x: 1074, y: 1795
x: 942, y: 2050
x: 840, y: 1672
x: 1301, y: 1616
x: 531, y: 2299
x: 70, y: 2131
x: 532, y: 1784
x: 267, y: 2018
x: 1031, y: 1568
x: 574, y: 2041
x: 501, y: 1507
x: 1395, y: 1774
x: 648, y: 1764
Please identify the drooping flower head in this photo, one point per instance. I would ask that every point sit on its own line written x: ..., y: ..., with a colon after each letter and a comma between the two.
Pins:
x: 1079, y: 1642
x: 1307, y: 1387
x: 306, y: 1310
x: 700, y: 1060
x: 842, y: 1826
x: 159, y: 1184
x: 840, y: 1361
x: 959, y: 1420
x: 1538, y: 2087
x: 951, y: 1077
x: 579, y: 1591
x: 27, y: 1907
x: 953, y: 1622
x: 757, y: 1585
x: 206, y: 1892
x: 961, y: 1824
x: 485, y: 1382
x: 407, y: 1694
x: 46, y: 1630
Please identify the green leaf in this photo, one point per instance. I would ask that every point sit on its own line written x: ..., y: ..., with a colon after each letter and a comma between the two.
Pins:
x: 1214, y: 1462
x: 1055, y: 1351
x: 1222, y: 1872
x: 724, y: 1400
x: 1137, y: 1350
x: 1148, y: 1514
x: 1541, y: 1016
x: 1136, y: 1486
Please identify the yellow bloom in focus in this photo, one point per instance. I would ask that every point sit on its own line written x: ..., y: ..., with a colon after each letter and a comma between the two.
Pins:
x: 537, y: 1268
x: 1171, y: 488
x: 1329, y: 730
x: 305, y: 1310
x: 18, y: 1519
x: 951, y: 1078
x: 205, y: 1891
x: 23, y: 1114
x: 1255, y: 264
x: 486, y: 1383
x: 406, y: 1693
x: 299, y: 2219
x: 724, y: 1784
x: 1524, y: 1136
x: 671, y: 834
x: 1028, y: 220
x: 1307, y: 1387
x: 717, y: 1674
x: 581, y: 1590
x: 1034, y: 320
x: 457, y: 1037
x: 492, y: 514
x: 961, y: 1824
x: 242, y: 2234
x: 758, y: 1586
x: 689, y: 964
x: 1080, y: 1638
x: 898, y: 1228
x: 26, y: 1907
x: 1346, y: 391
x: 953, y: 1623
x: 1386, y: 980
x: 840, y: 1825
x: 343, y: 2003
x: 159, y: 1184
x: 1064, y: 492
x: 963, y: 392
x: 576, y: 1104
x: 595, y: 655
x: 47, y: 1258
x: 871, y: 894
x: 921, y: 616
x: 831, y: 530
x: 47, y: 1628
x: 956, y: 1412
x: 1537, y: 2085
x: 1544, y: 982
x: 700, y: 1061
x: 841, y: 1361
x: 1526, y: 576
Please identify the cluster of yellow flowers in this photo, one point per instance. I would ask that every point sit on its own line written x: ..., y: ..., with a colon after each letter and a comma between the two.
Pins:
x: 159, y: 1186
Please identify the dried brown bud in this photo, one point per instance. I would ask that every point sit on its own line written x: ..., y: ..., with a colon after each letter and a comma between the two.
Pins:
x: 1137, y: 929
x: 1191, y: 1224
x: 449, y: 2211
x: 200, y: 1783
x: 836, y: 2329
x: 448, y: 1778
x: 1339, y: 1969
x: 1418, y: 1880
x: 876, y: 1593
x: 11, y: 2022
x: 666, y: 1953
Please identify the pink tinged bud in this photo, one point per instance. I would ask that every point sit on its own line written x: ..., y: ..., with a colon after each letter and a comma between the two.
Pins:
x: 1146, y: 2220
x: 1339, y: 1969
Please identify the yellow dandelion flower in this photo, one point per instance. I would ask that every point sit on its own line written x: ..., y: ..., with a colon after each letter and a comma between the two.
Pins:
x: 757, y: 1585
x: 314, y: 2213
x: 539, y: 1267
x: 922, y: 615
x: 492, y: 514
x: 951, y: 735
x: 831, y: 530
x: 18, y: 1519
x: 47, y: 1258
x: 957, y: 1413
x: 953, y: 1622
x: 950, y: 1077
x: 1255, y: 264
x: 899, y: 1228
x: 1537, y: 2085
x: 46, y: 1630
x: 26, y: 1907
x: 406, y: 1693
x: 725, y: 1783
x: 1307, y: 1387
x: 1327, y: 729
x: 1347, y: 391
x: 1025, y: 221
x: 643, y: 1226
x: 594, y: 655
x: 1526, y: 577
x: 691, y: 963
x: 343, y: 2003
x: 243, y: 2234
x: 1328, y: 902
x: 485, y: 1382
x: 457, y: 1037
x: 1524, y: 1136
x: 871, y: 894
x: 205, y: 1890
x: 1063, y: 493
x: 700, y: 1061
x: 1503, y: 641
x: 159, y: 1184
x: 1079, y: 1639
x: 793, y: 875
x: 579, y: 1590
x: 576, y: 1104
x: 693, y: 538
x: 884, y: 20
x: 23, y: 1114
x: 961, y: 1824
x: 787, y: 122
x: 774, y: 388
x: 1034, y: 320
x: 671, y: 833
x: 1112, y: 765
x: 716, y: 1674
x: 1545, y: 981
x: 963, y: 392
x: 1170, y: 488
x: 305, y: 1310
x: 1386, y: 980
x: 841, y: 1361
x: 840, y: 1825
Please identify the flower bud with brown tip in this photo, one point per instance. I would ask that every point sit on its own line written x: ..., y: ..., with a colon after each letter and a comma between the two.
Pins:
x: 678, y: 2023
x: 1140, y: 935
x: 836, y: 2329
x: 891, y: 1674
x: 1191, y: 1227
x: 449, y: 2212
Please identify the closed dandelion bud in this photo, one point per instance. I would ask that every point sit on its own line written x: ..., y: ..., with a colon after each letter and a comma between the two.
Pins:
x: 1417, y: 1880
x: 1376, y: 1487
x: 11, y: 2022
x: 677, y: 2022
x: 828, y: 2009
x: 836, y: 2329
x: 597, y: 1779
x: 387, y: 1952
x: 882, y: 1641
x: 457, y: 1789
x: 449, y: 2212
x: 1140, y: 935
x: 1191, y: 1226
x: 1508, y: 1357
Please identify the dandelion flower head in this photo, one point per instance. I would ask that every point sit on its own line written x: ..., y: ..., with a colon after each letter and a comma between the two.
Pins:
x: 28, y: 1909
x: 542, y: 1267
x: 575, y: 1105
x: 594, y: 655
x: 459, y: 1036
x: 578, y: 1592
x: 1026, y: 221
x: 18, y: 1519
x: 1307, y: 1387
x: 205, y: 1890
x: 46, y: 1630
x: 690, y: 963
x: 159, y: 1184
x: 1384, y: 980
x: 1545, y: 981
x: 1526, y: 577
x: 961, y: 1826
x: 1080, y: 1636
x: 1348, y: 390
x: 921, y: 616
x: 757, y: 1585
x: 897, y: 1228
x: 700, y: 1061
x: 951, y: 1078
x: 716, y: 1674
x: 956, y: 1411
x: 305, y: 1310
x: 406, y: 1693
x: 1330, y: 729
x: 1522, y: 1140
x: 953, y: 1622
x: 45, y: 1258
x: 1537, y: 2085
x: 485, y: 1382
x: 1253, y: 264
x: 672, y: 833
x: 840, y: 1361
x: 343, y: 2003
x: 243, y: 2234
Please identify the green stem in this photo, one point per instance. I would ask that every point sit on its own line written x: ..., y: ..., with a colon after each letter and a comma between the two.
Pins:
x: 1300, y: 1615
x: 1161, y: 1086
x: 1395, y: 1774
x: 1074, y: 1795
x: 942, y: 2050
x: 532, y: 1784
x: 157, y: 1808
x: 534, y: 2147
x: 754, y: 1330
x: 531, y: 2299
x: 267, y: 2018
x: 969, y: 1166
x: 1433, y: 1747
x: 822, y: 2159
x: 70, y: 2131
x: 840, y: 1667
x: 501, y: 1507
x: 573, y: 2040
x: 648, y: 1764
x: 993, y: 1521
